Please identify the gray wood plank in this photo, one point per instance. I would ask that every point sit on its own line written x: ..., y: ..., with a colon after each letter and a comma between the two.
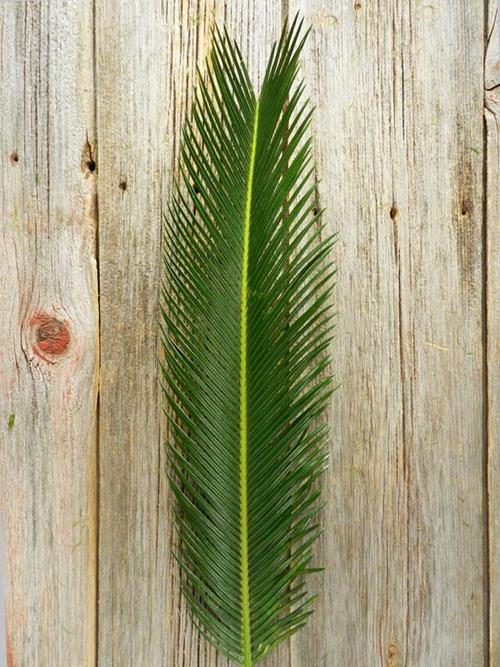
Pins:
x: 399, y: 141
x: 48, y: 331
x: 132, y: 78
x: 361, y: 610
x: 440, y: 239
x: 492, y: 117
x: 146, y: 56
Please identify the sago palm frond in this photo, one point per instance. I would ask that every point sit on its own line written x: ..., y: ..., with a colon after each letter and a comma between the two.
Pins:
x: 246, y: 326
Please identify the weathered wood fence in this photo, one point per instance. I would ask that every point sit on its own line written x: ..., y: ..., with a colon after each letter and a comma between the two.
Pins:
x: 407, y: 125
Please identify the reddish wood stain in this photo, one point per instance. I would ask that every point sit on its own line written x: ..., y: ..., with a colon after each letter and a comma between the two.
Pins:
x: 10, y: 653
x: 52, y: 335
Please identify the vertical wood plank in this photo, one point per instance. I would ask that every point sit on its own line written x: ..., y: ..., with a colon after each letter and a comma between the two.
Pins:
x: 440, y: 228
x: 48, y: 330
x: 361, y: 609
x: 146, y: 55
x: 399, y: 141
x: 492, y: 117
x: 131, y: 72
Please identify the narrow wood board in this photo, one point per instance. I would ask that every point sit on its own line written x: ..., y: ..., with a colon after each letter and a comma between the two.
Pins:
x: 361, y: 610
x: 397, y: 87
x: 48, y: 331
x: 492, y: 308
x: 131, y: 81
x: 145, y: 74
x: 440, y: 181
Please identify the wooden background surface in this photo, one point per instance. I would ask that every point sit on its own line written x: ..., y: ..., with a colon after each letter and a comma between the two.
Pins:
x: 407, y: 138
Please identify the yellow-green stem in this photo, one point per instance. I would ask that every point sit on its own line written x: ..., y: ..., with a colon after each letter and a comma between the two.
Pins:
x: 244, y: 564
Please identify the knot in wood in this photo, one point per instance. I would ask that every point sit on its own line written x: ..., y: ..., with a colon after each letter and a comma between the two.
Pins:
x: 51, y: 335
x: 393, y: 654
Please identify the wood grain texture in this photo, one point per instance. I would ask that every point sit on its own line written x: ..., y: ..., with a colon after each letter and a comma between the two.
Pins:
x: 413, y: 488
x: 492, y: 278
x: 146, y: 57
x: 48, y: 331
x: 399, y: 143
x: 361, y: 612
x: 441, y: 266
x: 131, y: 71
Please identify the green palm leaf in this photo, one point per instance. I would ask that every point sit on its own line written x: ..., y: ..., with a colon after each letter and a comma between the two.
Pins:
x: 246, y: 324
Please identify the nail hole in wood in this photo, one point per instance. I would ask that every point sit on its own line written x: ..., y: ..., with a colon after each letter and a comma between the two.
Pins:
x: 357, y: 6
x: 91, y: 165
x: 393, y: 212
x: 14, y: 157
x: 122, y: 184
